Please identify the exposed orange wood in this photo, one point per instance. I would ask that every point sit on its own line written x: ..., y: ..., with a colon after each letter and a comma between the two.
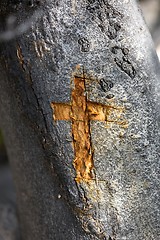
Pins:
x: 81, y: 112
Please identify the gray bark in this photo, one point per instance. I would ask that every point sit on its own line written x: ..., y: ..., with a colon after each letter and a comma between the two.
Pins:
x: 9, y: 227
x: 108, y: 44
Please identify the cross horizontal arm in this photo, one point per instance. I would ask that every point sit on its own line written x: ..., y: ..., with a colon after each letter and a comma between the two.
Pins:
x: 102, y: 112
x: 97, y: 112
x: 61, y: 111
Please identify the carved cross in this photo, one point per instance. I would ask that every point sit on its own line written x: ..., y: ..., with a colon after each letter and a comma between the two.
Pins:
x: 81, y: 112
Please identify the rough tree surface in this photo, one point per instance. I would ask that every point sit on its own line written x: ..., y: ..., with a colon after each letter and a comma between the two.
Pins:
x: 79, y: 102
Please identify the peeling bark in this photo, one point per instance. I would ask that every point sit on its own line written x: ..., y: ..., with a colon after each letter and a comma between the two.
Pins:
x: 80, y: 111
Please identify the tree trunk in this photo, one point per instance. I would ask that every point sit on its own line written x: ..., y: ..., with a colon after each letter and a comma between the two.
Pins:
x: 79, y: 102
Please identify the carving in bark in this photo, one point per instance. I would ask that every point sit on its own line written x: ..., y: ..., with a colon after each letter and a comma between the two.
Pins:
x: 79, y: 102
